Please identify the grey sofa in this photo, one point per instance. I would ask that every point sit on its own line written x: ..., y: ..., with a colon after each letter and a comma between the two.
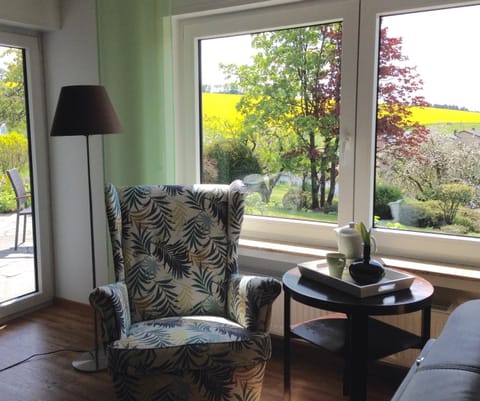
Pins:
x: 448, y: 368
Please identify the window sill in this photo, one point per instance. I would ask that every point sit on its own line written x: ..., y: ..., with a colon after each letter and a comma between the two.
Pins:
x: 275, y: 258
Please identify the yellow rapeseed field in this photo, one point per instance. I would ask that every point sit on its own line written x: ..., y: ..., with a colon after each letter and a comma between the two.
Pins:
x: 223, y: 106
x: 432, y: 115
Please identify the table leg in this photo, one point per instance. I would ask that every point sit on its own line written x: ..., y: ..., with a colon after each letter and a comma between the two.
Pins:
x: 426, y: 321
x: 286, y: 346
x: 358, y: 356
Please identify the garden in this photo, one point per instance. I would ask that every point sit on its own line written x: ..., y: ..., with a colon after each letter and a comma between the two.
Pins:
x: 277, y: 128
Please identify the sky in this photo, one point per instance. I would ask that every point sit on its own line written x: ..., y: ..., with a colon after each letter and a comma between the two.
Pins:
x: 442, y: 44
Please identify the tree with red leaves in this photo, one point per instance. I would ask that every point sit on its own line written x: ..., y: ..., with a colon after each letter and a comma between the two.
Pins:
x: 399, y: 85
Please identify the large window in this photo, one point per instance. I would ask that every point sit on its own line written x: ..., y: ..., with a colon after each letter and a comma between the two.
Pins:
x: 389, y: 143
x: 428, y: 122
x: 270, y: 107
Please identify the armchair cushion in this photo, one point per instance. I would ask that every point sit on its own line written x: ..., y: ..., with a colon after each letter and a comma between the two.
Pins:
x: 179, y: 247
x: 250, y: 299
x: 175, y: 344
x: 111, y: 301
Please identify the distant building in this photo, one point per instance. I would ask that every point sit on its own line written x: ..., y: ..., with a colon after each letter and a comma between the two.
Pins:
x: 468, y: 136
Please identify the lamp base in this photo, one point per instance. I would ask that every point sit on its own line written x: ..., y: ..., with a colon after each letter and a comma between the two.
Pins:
x: 87, y: 362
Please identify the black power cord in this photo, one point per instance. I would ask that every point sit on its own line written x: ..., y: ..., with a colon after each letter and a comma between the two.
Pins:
x: 39, y: 354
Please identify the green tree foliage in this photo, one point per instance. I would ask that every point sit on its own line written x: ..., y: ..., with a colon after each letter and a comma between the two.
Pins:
x: 13, y: 151
x: 384, y: 194
x: 12, y: 91
x: 451, y: 197
x: 229, y: 160
x: 291, y: 104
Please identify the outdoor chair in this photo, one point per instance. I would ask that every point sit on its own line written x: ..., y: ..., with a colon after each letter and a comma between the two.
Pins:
x: 22, y: 198
x: 180, y: 323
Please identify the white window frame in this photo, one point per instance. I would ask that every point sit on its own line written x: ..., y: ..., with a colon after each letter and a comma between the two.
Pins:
x: 187, y: 33
x: 357, y: 120
x: 40, y: 171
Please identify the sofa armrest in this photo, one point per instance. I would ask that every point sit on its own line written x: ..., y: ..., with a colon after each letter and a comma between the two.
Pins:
x: 111, y: 302
x: 250, y: 300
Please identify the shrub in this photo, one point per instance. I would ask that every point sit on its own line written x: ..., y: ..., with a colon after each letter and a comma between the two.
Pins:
x: 13, y: 152
x: 415, y: 213
x: 7, y: 196
x: 384, y: 194
x: 254, y: 204
x: 454, y: 229
x: 451, y: 197
x: 468, y: 218
x: 295, y: 200
x: 329, y: 209
x: 232, y: 160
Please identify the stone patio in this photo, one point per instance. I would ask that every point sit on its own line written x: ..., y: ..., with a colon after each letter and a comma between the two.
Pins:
x: 17, y: 269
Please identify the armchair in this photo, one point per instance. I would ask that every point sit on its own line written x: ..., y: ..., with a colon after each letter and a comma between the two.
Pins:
x: 180, y: 322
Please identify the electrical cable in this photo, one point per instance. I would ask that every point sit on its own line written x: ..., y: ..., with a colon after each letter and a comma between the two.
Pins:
x: 40, y: 354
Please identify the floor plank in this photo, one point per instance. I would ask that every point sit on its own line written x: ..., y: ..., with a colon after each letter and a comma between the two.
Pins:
x: 316, y: 375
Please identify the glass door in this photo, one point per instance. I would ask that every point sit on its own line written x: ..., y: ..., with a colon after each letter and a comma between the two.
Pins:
x: 17, y: 245
x: 24, y: 214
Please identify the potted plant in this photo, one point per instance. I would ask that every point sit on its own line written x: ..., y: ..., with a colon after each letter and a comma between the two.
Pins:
x: 366, y: 270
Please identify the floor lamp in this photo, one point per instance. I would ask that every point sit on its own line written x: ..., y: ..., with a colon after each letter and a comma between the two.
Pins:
x: 86, y: 110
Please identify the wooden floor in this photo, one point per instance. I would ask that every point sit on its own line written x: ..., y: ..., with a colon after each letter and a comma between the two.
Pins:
x: 315, y: 375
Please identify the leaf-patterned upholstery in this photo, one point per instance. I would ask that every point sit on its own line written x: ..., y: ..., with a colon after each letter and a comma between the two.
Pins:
x: 180, y: 322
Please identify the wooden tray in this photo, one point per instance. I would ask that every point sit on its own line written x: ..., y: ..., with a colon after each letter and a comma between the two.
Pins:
x: 394, y: 280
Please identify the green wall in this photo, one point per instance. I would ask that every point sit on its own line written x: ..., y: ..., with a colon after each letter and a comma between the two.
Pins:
x: 135, y: 57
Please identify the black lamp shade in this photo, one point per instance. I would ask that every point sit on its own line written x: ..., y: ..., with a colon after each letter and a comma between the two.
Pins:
x: 84, y: 110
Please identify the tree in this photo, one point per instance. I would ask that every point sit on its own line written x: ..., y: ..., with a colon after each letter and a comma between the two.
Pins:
x: 291, y: 103
x: 399, y: 85
x: 444, y: 159
x: 12, y: 91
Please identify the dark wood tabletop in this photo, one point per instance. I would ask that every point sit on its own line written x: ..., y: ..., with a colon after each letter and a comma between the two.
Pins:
x: 322, y: 296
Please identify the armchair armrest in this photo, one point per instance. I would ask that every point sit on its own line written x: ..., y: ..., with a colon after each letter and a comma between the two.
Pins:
x: 250, y: 300
x: 111, y: 302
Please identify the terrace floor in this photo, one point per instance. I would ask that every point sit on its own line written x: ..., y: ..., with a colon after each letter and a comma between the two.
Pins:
x: 17, y: 268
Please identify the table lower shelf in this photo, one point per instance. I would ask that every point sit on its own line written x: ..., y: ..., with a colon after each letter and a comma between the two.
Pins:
x: 330, y: 333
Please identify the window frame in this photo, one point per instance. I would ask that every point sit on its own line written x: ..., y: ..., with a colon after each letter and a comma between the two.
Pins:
x: 357, y: 121
x: 189, y: 30
x: 39, y: 167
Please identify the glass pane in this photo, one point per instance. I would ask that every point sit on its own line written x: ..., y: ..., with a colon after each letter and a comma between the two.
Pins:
x: 17, y: 256
x: 428, y: 122
x: 270, y: 117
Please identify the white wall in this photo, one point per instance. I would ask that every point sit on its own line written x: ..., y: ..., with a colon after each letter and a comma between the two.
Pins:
x: 32, y: 14
x: 71, y: 58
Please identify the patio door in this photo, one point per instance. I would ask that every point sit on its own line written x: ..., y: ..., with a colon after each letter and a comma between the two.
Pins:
x: 25, y: 276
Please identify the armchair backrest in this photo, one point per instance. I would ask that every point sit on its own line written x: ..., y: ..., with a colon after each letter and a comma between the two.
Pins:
x: 175, y: 246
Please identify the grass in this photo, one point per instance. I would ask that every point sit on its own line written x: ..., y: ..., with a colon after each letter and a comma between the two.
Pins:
x: 275, y: 208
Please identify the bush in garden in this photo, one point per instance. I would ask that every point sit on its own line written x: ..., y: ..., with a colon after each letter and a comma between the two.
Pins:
x: 13, y: 152
x: 330, y: 209
x: 296, y: 200
x: 254, y: 204
x: 454, y: 229
x: 7, y: 196
x: 415, y: 213
x: 232, y: 159
x: 451, y: 197
x: 468, y: 218
x: 384, y: 194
